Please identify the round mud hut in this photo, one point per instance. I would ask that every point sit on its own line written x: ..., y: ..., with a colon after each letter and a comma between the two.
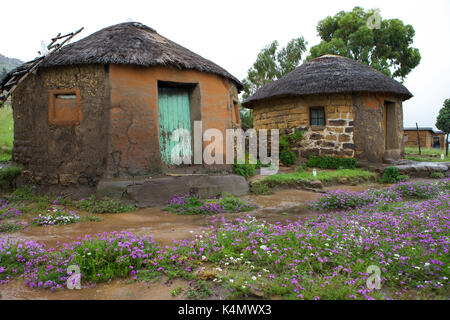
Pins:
x: 106, y: 105
x: 346, y: 109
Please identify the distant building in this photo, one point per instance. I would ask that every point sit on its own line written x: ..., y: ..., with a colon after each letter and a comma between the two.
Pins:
x: 429, y: 138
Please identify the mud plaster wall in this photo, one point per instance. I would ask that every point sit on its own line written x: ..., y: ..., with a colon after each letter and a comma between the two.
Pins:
x: 354, y: 124
x: 369, y: 135
x: 68, y: 155
x: 134, y: 129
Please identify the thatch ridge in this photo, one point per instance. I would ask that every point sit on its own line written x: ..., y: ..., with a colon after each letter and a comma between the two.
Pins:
x: 329, y: 74
x: 135, y: 44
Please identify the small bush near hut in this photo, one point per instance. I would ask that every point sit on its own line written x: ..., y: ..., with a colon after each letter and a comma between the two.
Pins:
x: 191, y: 203
x: 392, y: 175
x: 437, y: 175
x: 328, y: 162
x: 103, y: 205
x: 8, y: 176
x: 287, y: 157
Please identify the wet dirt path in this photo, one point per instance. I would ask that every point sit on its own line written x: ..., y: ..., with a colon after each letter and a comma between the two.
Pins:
x: 282, y: 206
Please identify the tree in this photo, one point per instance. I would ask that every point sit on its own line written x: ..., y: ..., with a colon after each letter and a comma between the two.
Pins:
x: 385, y: 45
x: 272, y: 64
x: 443, y: 121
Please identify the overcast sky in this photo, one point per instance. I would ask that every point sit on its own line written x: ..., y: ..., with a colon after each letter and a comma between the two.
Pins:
x: 231, y: 33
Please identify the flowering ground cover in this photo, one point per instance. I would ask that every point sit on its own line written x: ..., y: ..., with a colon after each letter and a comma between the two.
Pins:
x: 7, y: 214
x: 191, y: 203
x: 343, y: 199
x: 326, y: 257
x: 56, y: 215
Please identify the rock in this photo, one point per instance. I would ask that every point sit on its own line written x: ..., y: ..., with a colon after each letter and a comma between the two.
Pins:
x: 157, y: 191
x: 316, y: 184
x: 423, y: 169
x: 256, y: 292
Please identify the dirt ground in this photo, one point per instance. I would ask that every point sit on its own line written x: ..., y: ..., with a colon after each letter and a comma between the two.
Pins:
x: 163, y: 226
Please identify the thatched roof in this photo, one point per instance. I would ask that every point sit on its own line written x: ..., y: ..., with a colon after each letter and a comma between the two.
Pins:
x: 329, y: 74
x: 135, y: 44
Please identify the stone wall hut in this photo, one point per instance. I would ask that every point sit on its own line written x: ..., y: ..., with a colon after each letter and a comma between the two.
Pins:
x: 346, y: 108
x: 105, y: 106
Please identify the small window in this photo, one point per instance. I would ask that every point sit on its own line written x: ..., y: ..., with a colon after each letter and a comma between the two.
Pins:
x: 317, y: 116
x: 64, y: 107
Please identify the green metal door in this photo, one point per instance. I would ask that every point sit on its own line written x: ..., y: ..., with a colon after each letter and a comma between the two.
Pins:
x: 174, y: 113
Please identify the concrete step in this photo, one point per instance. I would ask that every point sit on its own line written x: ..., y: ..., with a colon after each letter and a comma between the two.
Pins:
x: 149, y: 192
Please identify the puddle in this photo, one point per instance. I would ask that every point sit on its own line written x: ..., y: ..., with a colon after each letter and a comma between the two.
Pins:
x: 164, y: 227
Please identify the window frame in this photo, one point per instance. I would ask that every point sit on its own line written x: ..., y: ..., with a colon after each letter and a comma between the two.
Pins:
x: 52, y: 107
x: 322, y: 108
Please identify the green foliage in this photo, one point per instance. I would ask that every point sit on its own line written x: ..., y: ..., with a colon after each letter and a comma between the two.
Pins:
x: 300, y: 169
x: 246, y: 170
x: 387, y: 48
x: 328, y: 162
x: 103, y: 205
x: 259, y: 187
x: 326, y: 177
x: 6, y: 133
x: 272, y: 64
x: 392, y: 175
x: 192, y: 204
x: 8, y: 176
x: 246, y: 118
x: 437, y: 175
x: 443, y: 119
x: 175, y: 292
x: 287, y: 157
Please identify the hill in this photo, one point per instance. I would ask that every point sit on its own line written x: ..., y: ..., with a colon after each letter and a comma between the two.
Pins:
x: 7, y: 64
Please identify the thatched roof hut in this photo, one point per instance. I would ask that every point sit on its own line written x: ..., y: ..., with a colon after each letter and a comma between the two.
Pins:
x: 327, y: 75
x: 346, y: 107
x: 135, y: 44
x: 106, y: 106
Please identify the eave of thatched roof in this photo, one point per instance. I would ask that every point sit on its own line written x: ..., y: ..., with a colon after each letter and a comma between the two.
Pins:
x: 135, y: 44
x: 327, y: 75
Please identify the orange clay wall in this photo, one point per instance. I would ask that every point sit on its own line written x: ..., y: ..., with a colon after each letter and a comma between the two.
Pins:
x: 133, y: 147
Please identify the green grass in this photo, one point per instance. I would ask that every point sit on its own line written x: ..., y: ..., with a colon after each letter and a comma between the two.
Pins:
x: 326, y: 177
x: 6, y: 133
x: 429, y: 155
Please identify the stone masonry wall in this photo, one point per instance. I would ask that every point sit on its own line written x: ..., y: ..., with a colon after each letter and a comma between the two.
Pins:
x: 290, y: 114
x: 354, y: 127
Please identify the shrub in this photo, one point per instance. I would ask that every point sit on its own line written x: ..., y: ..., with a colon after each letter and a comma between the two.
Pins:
x: 103, y: 205
x: 191, y: 203
x: 9, y: 226
x: 328, y: 162
x: 8, y: 176
x: 259, y: 188
x: 391, y: 175
x: 300, y: 169
x: 437, y: 175
x: 287, y: 157
x: 246, y: 170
